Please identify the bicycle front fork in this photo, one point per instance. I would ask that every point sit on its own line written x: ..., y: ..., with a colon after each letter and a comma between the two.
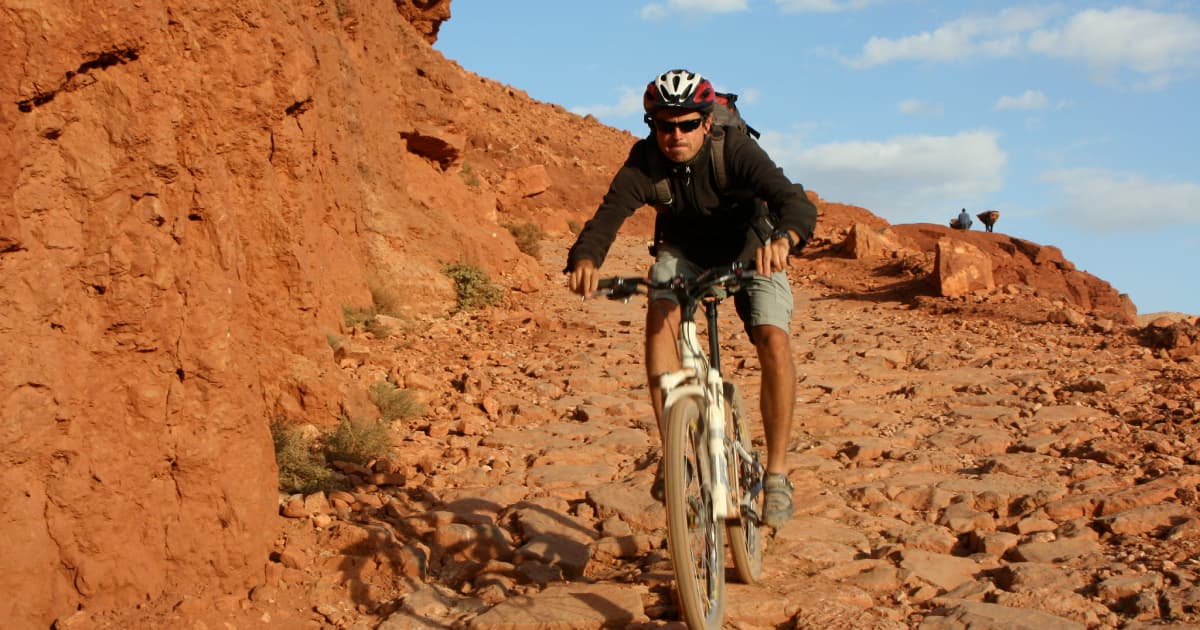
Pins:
x: 712, y: 428
x: 714, y: 419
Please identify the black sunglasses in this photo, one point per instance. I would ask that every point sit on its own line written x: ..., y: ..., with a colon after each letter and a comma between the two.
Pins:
x: 666, y: 126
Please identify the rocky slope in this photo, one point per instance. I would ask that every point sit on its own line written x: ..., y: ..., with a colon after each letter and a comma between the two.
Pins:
x: 192, y: 196
x: 952, y: 470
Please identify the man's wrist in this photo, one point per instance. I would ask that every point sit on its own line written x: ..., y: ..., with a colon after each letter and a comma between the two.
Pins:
x: 784, y: 234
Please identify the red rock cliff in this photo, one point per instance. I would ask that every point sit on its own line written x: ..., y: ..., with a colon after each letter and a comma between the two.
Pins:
x: 189, y: 195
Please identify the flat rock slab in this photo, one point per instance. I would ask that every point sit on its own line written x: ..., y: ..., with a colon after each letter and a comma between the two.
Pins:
x: 567, y: 607
x: 967, y: 615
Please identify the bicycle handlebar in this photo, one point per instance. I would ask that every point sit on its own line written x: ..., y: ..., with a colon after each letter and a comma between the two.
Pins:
x: 729, y: 277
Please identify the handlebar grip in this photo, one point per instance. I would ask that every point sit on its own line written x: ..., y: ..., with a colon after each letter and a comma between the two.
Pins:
x: 619, y: 288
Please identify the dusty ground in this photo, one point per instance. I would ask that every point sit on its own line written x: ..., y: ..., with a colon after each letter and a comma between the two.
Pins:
x: 952, y: 470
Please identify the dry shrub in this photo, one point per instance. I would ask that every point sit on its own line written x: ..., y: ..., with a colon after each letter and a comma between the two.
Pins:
x: 469, y: 176
x: 528, y: 236
x: 388, y: 300
x: 358, y: 316
x: 472, y: 286
x: 358, y: 441
x: 395, y: 403
x: 378, y: 329
x: 365, y: 317
x: 301, y: 467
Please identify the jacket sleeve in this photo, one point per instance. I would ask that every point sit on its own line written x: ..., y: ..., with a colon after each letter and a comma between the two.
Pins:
x: 789, y: 204
x: 631, y: 188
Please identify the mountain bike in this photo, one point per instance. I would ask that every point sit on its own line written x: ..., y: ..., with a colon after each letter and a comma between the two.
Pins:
x: 713, y: 476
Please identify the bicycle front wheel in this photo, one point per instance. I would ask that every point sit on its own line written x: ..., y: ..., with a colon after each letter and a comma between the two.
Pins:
x: 694, y: 538
x: 745, y: 485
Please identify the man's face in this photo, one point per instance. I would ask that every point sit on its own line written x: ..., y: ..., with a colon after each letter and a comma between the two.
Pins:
x: 674, y: 141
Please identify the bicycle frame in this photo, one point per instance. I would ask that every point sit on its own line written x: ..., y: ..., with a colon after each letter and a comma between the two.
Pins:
x: 700, y: 376
x: 699, y: 515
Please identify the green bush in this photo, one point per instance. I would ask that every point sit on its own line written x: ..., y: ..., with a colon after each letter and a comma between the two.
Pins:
x: 301, y: 468
x: 472, y: 285
x: 528, y: 236
x: 357, y: 441
x: 395, y: 403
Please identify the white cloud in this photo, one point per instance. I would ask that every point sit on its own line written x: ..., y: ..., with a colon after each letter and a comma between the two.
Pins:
x: 1152, y: 44
x: 1106, y: 201
x: 656, y: 11
x: 709, y: 6
x: 1031, y: 99
x: 903, y: 179
x: 629, y: 102
x: 917, y: 107
x: 653, y: 12
x: 993, y: 36
x: 824, y: 6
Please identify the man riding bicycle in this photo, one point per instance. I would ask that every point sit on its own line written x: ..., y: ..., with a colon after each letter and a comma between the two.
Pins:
x: 758, y: 214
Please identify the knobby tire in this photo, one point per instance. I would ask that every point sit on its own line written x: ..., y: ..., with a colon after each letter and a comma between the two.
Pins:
x: 694, y: 539
x: 746, y: 541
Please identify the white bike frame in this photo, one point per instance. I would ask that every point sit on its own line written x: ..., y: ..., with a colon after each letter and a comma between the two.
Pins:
x: 697, y: 378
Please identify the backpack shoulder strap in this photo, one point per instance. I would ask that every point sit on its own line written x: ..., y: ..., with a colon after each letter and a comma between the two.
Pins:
x: 662, y: 183
x: 718, y: 157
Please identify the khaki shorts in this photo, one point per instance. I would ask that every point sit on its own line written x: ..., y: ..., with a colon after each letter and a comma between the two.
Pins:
x: 765, y: 301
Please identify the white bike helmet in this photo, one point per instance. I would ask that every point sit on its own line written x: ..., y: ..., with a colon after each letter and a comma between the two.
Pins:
x: 679, y: 89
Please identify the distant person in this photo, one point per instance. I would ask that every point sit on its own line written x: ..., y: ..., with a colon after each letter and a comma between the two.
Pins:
x: 989, y: 218
x: 705, y: 225
x: 963, y: 222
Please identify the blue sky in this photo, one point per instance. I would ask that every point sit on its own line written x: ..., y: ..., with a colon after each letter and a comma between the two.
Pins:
x: 1075, y: 120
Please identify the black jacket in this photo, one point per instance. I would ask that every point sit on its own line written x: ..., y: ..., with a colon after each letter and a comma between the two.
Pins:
x: 710, y: 227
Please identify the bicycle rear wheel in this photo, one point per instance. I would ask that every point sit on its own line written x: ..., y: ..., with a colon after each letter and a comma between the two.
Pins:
x: 745, y: 486
x: 694, y: 538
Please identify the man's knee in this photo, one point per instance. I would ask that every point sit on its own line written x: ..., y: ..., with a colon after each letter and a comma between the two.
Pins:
x: 772, y: 340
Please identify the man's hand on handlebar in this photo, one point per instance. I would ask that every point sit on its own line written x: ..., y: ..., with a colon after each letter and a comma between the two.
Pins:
x: 772, y: 257
x: 584, y: 278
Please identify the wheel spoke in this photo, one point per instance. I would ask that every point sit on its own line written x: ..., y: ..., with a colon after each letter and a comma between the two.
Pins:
x: 696, y: 542
x: 746, y: 473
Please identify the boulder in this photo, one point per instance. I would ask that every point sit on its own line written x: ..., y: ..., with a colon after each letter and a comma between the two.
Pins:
x: 961, y: 268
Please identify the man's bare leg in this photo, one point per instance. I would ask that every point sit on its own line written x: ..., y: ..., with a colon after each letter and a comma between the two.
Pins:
x: 662, y: 351
x: 778, y: 392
